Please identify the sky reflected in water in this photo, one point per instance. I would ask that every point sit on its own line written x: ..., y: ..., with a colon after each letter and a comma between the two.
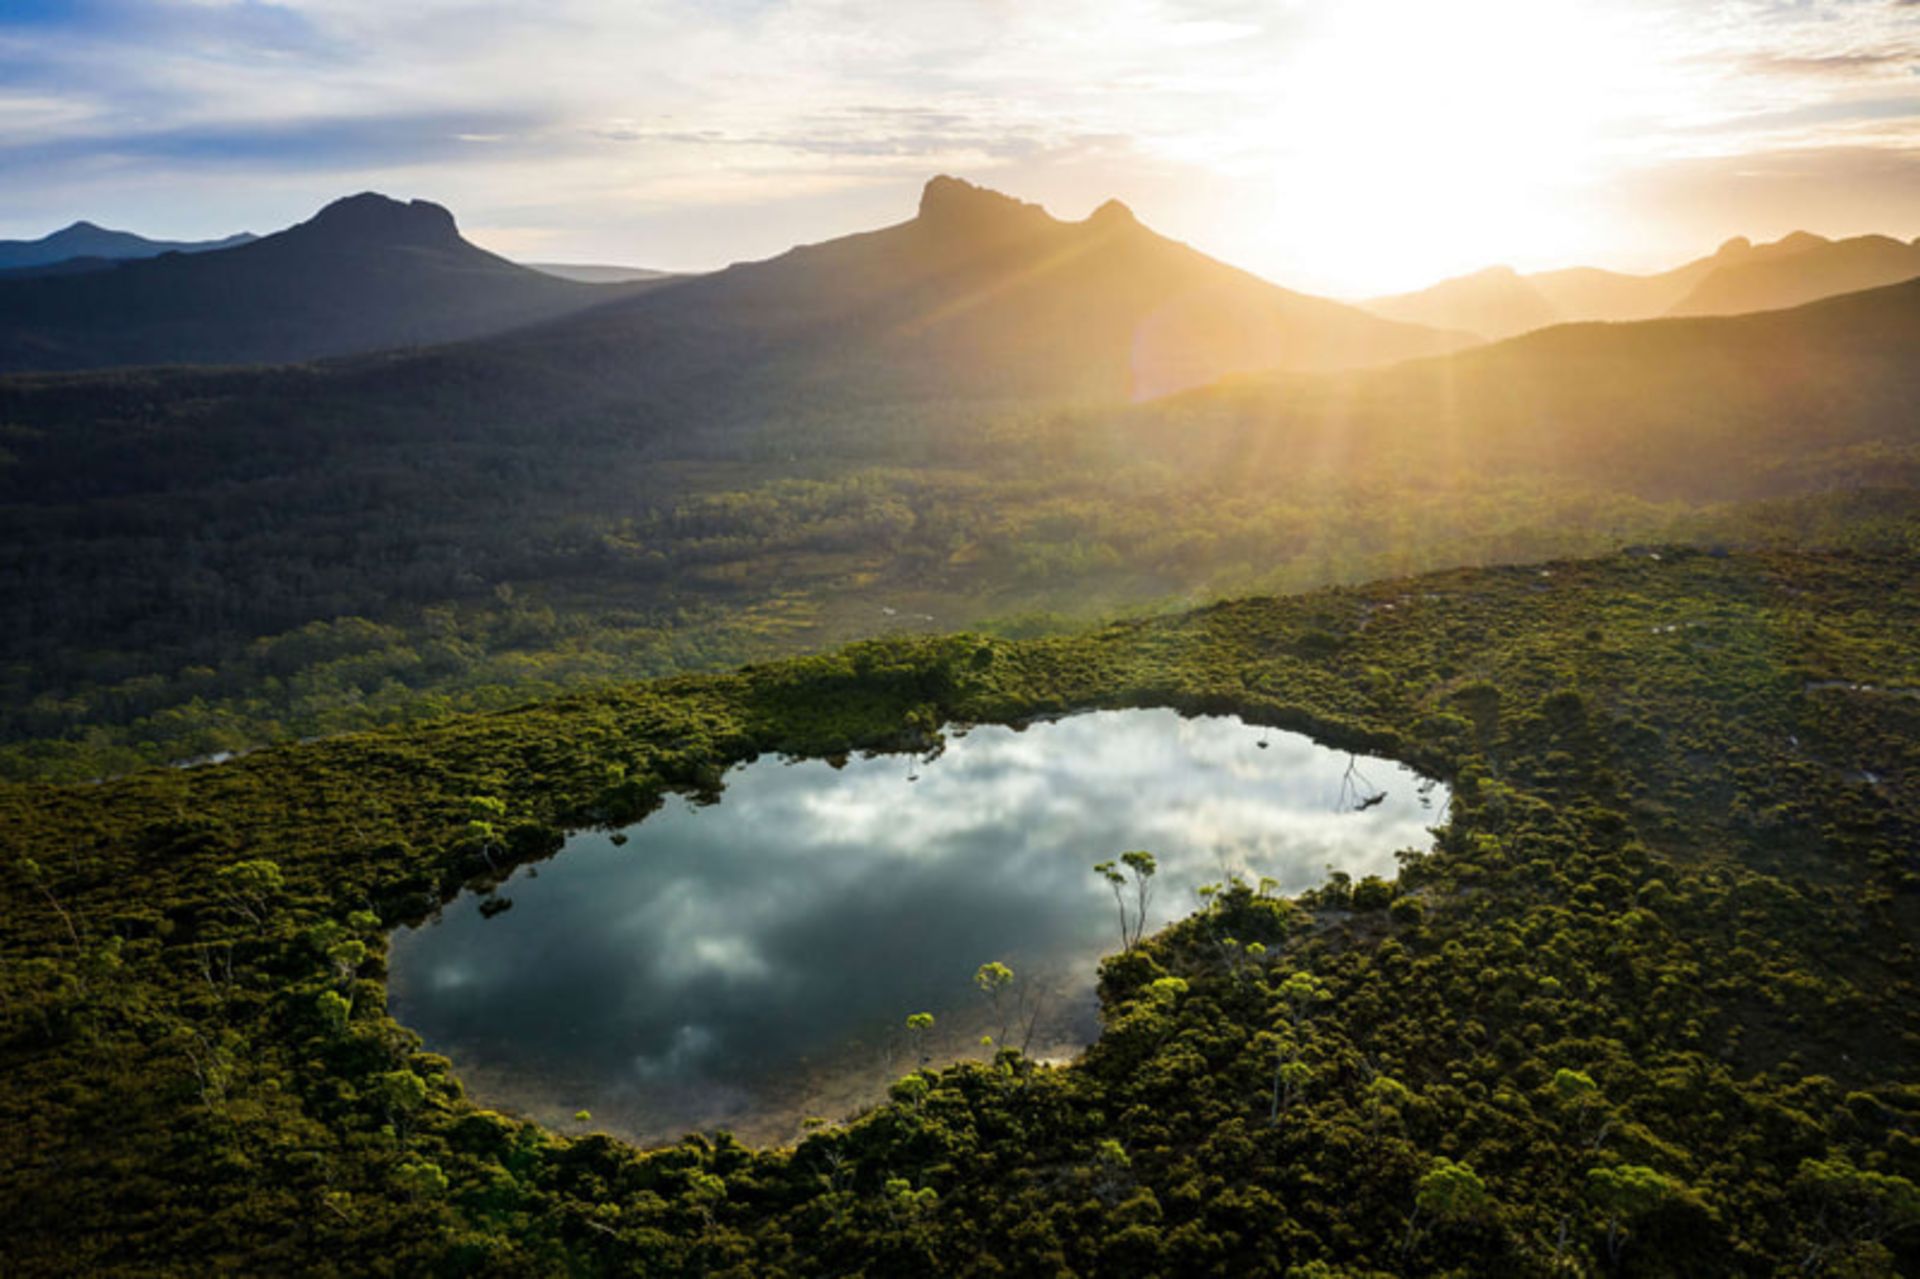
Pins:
x: 745, y: 964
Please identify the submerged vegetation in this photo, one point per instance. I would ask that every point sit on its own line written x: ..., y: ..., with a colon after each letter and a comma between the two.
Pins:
x: 1648, y: 1006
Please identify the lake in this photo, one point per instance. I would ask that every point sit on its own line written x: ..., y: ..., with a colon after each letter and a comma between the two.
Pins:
x: 749, y: 963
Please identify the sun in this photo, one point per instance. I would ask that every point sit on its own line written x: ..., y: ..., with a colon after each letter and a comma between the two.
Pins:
x: 1412, y: 140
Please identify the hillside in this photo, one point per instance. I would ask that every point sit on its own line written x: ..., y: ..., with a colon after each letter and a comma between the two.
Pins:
x: 1738, y: 277
x: 1580, y: 294
x: 1492, y: 304
x: 85, y: 240
x: 481, y: 522
x: 980, y: 287
x: 978, y: 297
x: 1816, y: 268
x: 1703, y: 409
x: 1647, y: 1006
x: 365, y: 273
x: 1502, y: 303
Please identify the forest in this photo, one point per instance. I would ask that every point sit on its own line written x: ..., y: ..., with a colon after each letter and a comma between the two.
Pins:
x: 203, y: 563
x: 1647, y: 1006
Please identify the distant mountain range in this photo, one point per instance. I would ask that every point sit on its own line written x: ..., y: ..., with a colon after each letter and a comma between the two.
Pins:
x: 1740, y: 277
x: 978, y: 294
x: 982, y: 300
x: 366, y: 273
x: 979, y: 299
x: 84, y: 240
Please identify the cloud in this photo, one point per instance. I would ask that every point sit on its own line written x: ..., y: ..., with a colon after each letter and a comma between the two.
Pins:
x: 687, y: 133
x: 1846, y: 65
x: 1816, y: 115
x: 864, y: 131
x: 279, y: 144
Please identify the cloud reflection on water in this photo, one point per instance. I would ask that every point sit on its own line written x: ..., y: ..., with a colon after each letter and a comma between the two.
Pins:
x: 730, y: 955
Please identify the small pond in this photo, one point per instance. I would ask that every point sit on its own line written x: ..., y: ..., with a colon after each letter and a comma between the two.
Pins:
x: 749, y: 963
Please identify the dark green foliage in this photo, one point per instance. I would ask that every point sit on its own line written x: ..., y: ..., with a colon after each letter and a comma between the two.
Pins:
x: 1647, y: 1006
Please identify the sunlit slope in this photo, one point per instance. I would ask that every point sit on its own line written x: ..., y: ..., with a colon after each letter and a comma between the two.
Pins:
x: 1703, y: 408
x: 1500, y: 302
x: 365, y: 273
x: 1495, y: 303
x: 1737, y: 278
x: 980, y: 291
x: 1590, y: 293
x: 1818, y: 269
x: 978, y: 296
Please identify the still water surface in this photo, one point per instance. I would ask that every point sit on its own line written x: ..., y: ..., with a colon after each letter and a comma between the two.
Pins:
x: 745, y: 964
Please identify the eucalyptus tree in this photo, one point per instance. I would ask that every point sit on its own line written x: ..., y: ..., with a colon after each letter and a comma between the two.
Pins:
x: 1847, y: 1213
x: 919, y: 1031
x: 1624, y: 1193
x: 1447, y: 1192
x: 1136, y: 879
x: 36, y: 875
x: 251, y: 887
x: 992, y: 980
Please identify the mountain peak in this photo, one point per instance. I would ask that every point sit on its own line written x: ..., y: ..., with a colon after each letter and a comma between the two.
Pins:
x: 371, y: 216
x: 1113, y: 213
x: 955, y: 203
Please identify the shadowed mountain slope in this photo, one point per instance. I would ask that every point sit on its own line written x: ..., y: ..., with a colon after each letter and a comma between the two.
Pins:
x: 365, y: 273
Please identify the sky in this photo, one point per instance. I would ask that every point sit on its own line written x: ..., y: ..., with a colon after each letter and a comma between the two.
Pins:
x: 1341, y: 146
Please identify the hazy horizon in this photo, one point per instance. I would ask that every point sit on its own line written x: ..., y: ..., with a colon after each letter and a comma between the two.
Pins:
x: 1347, y: 149
x: 616, y: 261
